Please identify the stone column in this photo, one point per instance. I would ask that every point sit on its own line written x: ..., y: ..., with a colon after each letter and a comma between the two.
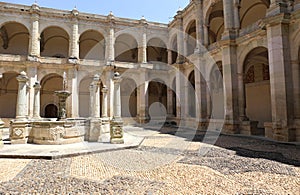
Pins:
x: 32, y: 76
x: 35, y: 36
x: 170, y: 102
x: 36, y: 106
x: 277, y: 7
x: 21, y: 112
x: 104, y: 101
x: 199, y: 26
x: 180, y: 38
x: 95, y: 121
x: 169, y: 56
x: 200, y: 92
x: 95, y: 97
x: 142, y: 97
x: 205, y: 36
x: 230, y: 88
x: 110, y: 50
x: 143, y: 47
x: 236, y: 9
x: 73, y: 104
x: 74, y: 55
x: 280, y: 78
x: 242, y: 103
x: 181, y: 107
x: 116, y: 127
x: 228, y: 14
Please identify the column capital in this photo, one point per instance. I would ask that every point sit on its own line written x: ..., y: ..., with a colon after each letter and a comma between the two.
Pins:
x: 22, y: 77
x: 104, y: 89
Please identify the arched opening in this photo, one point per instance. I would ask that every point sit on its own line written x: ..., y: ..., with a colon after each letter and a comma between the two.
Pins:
x: 157, y: 93
x: 191, y: 37
x: 216, y: 22
x: 128, y: 97
x: 84, y: 97
x: 51, y: 111
x: 126, y: 49
x: 217, y: 92
x: 157, y: 51
x: 174, y: 50
x: 49, y: 84
x: 257, y: 86
x: 252, y: 11
x: 92, y: 45
x: 8, y: 94
x: 14, y: 39
x: 54, y: 43
x: 191, y: 95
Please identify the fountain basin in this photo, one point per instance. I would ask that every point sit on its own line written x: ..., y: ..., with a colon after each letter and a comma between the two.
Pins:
x: 57, y: 132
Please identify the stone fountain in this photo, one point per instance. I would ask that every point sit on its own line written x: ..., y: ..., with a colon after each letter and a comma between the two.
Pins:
x: 66, y: 130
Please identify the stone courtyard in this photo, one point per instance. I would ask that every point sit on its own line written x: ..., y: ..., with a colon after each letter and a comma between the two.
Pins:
x: 235, y: 165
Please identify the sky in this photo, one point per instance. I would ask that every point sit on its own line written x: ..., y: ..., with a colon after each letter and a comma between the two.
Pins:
x: 153, y: 10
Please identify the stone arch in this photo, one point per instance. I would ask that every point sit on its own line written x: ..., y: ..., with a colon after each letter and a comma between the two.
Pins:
x: 54, y: 42
x: 126, y: 48
x: 157, y: 51
x: 257, y: 86
x: 215, y: 21
x: 14, y: 38
x: 252, y: 11
x: 49, y: 84
x: 92, y: 45
x: 191, y: 37
x: 8, y: 94
x: 128, y: 97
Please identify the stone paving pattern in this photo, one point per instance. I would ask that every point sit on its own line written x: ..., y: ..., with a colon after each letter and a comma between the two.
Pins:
x: 235, y: 165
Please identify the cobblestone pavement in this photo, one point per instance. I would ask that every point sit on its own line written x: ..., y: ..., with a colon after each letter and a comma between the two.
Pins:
x: 164, y: 164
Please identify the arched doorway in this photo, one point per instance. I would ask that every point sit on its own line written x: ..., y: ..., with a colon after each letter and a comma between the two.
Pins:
x: 51, y: 111
x: 191, y: 95
x: 49, y: 84
x: 128, y: 97
x: 8, y: 94
x: 257, y: 86
x: 157, y: 93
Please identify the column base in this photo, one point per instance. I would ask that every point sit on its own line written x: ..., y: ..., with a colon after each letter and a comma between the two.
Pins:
x: 250, y: 128
x: 231, y: 127
x: 19, y: 132
x: 276, y: 132
x: 116, y: 131
x: 32, y: 58
x: 95, y: 130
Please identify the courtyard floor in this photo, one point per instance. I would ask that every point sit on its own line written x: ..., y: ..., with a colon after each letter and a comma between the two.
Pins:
x: 165, y: 163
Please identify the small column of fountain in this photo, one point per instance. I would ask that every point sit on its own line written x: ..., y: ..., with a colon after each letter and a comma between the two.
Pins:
x: 62, y: 97
x: 116, y: 127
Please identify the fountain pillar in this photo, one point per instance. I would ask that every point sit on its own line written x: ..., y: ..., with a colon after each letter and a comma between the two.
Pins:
x: 36, y: 105
x: 20, y: 128
x: 95, y: 121
x: 21, y: 113
x: 104, y: 118
x: 62, y: 97
x: 116, y: 127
